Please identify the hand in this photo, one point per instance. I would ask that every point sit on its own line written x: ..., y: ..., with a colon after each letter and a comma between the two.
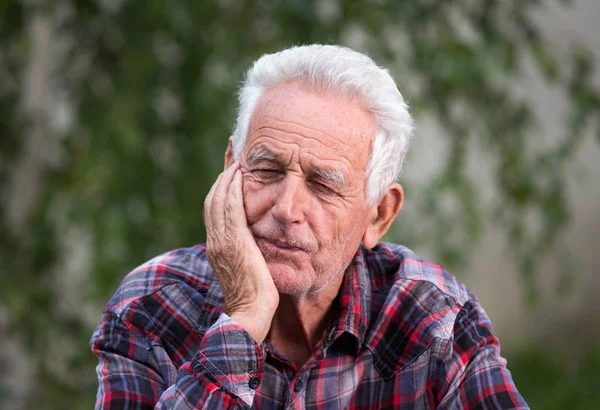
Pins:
x: 251, y: 297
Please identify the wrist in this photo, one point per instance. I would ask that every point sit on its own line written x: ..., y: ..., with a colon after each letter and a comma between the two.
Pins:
x: 255, y: 324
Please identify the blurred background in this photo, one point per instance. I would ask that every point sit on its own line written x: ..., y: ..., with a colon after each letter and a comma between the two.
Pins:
x: 114, y: 116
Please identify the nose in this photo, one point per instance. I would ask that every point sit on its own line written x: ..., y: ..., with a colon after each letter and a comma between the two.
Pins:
x: 291, y: 200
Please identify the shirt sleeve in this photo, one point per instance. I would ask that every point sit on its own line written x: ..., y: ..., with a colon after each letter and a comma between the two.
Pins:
x: 224, y: 374
x: 474, y: 375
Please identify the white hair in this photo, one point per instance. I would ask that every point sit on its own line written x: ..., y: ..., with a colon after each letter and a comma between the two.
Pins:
x: 344, y: 72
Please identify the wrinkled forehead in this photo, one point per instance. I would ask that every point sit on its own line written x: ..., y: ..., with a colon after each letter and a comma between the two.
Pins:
x: 313, y: 121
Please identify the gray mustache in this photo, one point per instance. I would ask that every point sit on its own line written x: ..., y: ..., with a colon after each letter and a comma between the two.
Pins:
x: 279, y: 233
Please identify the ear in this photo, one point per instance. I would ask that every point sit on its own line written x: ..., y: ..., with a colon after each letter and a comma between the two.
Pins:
x: 229, y: 153
x: 384, y: 214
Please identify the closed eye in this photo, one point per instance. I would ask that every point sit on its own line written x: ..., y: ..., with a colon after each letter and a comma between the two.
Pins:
x: 267, y: 172
x: 322, y: 188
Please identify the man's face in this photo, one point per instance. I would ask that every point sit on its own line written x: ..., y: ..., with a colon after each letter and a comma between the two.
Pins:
x: 304, y: 184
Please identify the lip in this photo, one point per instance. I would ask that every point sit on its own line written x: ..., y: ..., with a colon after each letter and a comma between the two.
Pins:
x: 275, y: 245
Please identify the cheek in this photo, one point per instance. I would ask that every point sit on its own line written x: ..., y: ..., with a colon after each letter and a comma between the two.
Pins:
x: 326, y: 229
x: 338, y: 232
x: 257, y: 199
x: 344, y: 229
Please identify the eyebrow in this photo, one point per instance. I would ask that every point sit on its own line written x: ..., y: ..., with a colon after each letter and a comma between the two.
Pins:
x: 260, y: 154
x: 335, y: 177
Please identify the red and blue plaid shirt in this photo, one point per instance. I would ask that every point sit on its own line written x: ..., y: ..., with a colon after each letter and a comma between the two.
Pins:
x: 408, y: 336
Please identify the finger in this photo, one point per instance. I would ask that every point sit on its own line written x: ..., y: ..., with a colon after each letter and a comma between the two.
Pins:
x: 209, y: 205
x: 217, y: 199
x: 234, y: 208
x: 222, y: 183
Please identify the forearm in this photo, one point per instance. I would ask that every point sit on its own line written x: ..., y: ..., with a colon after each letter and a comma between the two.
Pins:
x: 132, y: 371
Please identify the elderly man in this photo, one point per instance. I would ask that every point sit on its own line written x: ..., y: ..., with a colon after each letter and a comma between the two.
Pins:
x: 293, y: 302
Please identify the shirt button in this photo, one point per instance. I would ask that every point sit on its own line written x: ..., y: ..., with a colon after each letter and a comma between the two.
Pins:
x: 254, y: 382
x: 298, y: 386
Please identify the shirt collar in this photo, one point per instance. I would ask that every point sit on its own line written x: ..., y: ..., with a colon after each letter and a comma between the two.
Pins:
x: 354, y: 301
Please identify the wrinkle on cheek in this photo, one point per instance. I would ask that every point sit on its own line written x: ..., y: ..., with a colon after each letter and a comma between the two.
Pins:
x: 338, y: 230
x: 328, y: 235
x: 250, y: 179
x: 249, y: 185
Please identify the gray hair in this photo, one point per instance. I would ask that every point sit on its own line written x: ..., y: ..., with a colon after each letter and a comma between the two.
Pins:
x: 347, y: 73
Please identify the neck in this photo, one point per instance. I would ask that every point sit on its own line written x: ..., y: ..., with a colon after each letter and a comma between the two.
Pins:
x: 300, y: 321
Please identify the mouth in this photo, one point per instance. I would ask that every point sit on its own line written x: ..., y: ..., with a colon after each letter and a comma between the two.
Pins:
x: 274, y: 245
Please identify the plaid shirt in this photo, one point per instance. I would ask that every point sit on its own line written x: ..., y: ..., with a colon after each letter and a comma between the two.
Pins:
x: 408, y: 336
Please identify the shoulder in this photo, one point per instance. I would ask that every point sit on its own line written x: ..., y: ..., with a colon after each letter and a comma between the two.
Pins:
x: 183, y: 267
x: 415, y: 304
x: 392, y: 265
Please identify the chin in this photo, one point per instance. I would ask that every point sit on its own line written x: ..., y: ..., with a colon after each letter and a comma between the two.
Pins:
x: 289, y: 280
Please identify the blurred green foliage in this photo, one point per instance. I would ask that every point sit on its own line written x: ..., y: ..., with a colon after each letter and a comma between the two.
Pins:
x: 139, y: 102
x: 550, y: 382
